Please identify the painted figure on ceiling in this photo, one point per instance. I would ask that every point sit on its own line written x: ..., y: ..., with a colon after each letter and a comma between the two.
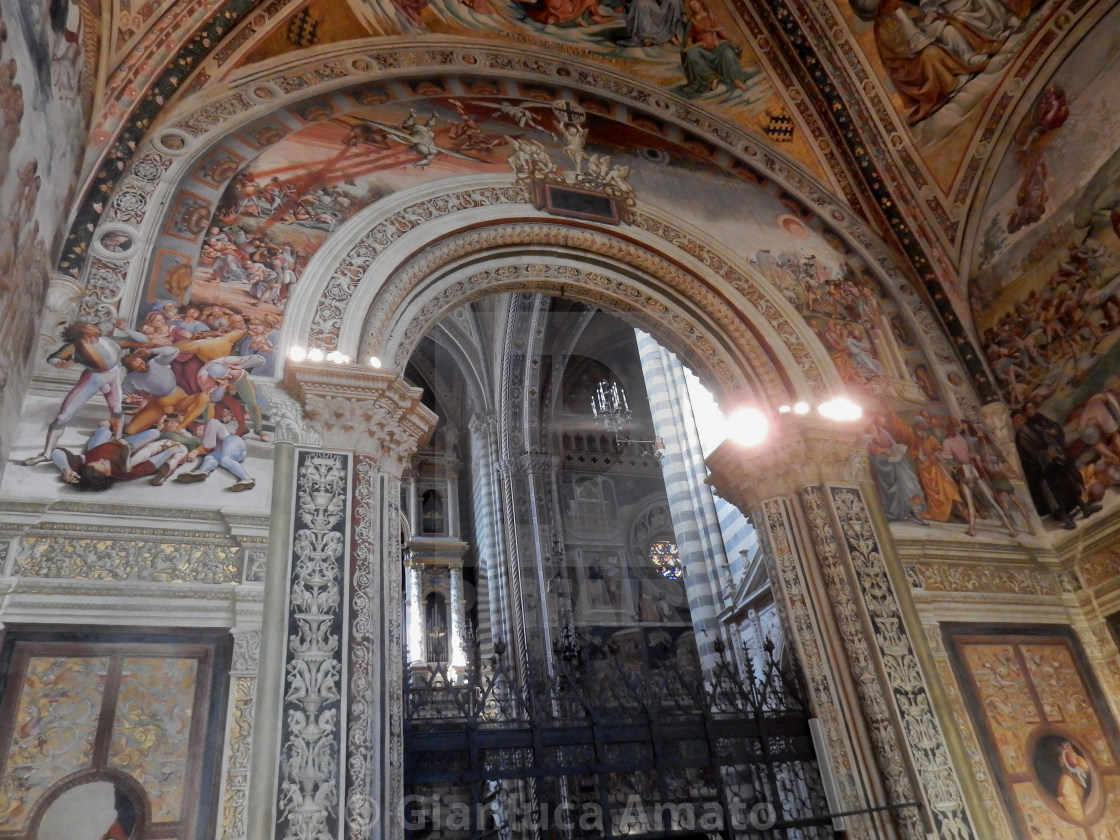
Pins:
x: 411, y: 10
x: 923, y: 71
x: 653, y: 22
x: 106, y: 460
x: 899, y: 488
x: 708, y: 55
x: 1055, y: 483
x: 960, y: 454
x: 223, y: 449
x: 579, y: 12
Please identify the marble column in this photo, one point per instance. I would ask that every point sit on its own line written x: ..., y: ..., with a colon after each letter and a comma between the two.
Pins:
x: 456, y: 658
x: 846, y: 607
x: 528, y: 491
x: 342, y: 762
x: 492, y: 586
x: 414, y: 641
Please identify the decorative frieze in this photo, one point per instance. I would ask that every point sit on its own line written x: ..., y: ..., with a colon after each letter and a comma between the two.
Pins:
x: 982, y: 578
x: 1099, y: 568
x: 115, y: 557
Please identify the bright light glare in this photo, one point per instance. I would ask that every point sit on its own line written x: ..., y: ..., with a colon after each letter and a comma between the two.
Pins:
x: 748, y: 427
x: 374, y: 362
x: 315, y: 355
x: 801, y: 408
x: 840, y: 408
x: 784, y: 409
x: 297, y: 353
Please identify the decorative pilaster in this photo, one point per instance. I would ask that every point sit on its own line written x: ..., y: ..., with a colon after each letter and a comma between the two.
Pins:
x: 839, y: 596
x: 309, y: 781
x: 378, y: 421
x: 240, y: 714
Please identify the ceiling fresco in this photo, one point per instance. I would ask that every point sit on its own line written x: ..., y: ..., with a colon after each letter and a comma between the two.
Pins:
x: 942, y: 64
x: 252, y: 214
x: 1045, y: 284
x: 687, y: 47
x: 949, y: 70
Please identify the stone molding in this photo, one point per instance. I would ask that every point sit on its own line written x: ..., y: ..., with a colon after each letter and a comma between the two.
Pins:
x: 364, y: 410
x: 801, y: 452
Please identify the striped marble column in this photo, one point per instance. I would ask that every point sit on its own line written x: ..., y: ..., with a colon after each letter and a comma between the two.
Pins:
x: 492, y: 588
x: 696, y: 522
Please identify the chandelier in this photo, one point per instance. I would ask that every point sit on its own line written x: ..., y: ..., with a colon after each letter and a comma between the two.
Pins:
x: 612, y: 414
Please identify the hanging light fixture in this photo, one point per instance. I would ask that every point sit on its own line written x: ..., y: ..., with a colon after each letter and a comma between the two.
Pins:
x: 612, y: 414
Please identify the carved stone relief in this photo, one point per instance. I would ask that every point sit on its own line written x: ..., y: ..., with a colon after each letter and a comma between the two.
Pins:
x: 924, y: 739
x: 308, y: 804
x: 239, y: 735
x: 183, y: 557
x: 777, y: 539
x: 861, y: 658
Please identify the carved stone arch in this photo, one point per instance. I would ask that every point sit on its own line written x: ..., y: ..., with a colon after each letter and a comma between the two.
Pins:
x: 729, y: 328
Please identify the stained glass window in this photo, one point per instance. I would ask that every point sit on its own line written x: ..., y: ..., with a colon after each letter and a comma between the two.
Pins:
x: 665, y: 557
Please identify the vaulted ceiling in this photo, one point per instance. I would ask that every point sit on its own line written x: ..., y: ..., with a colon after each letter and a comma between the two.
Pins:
x: 824, y: 83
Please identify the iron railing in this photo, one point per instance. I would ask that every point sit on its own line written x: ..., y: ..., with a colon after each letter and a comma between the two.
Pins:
x: 598, y: 747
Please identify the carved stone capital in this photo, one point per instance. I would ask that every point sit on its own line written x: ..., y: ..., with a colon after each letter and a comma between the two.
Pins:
x: 482, y: 425
x: 364, y: 410
x: 800, y: 452
x: 529, y: 463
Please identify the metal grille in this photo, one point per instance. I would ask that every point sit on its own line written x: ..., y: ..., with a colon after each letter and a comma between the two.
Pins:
x: 594, y: 748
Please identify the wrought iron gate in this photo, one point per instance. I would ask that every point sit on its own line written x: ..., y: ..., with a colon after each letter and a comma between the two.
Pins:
x: 596, y: 748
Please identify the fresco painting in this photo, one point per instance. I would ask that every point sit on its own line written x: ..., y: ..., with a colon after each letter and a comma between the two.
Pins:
x: 688, y: 47
x: 930, y: 467
x: 941, y: 60
x: 41, y: 117
x: 684, y: 44
x: 1044, y: 290
x: 1050, y: 743
x: 208, y: 328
